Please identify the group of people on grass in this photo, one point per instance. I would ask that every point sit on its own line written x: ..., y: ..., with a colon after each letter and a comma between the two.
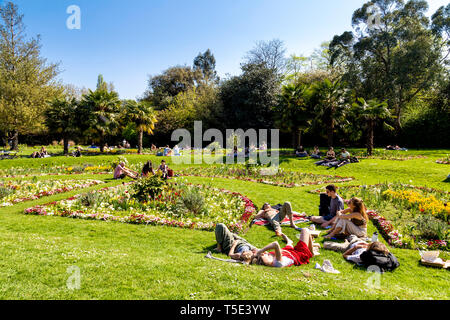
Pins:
x: 330, y: 159
x: 121, y: 171
x: 349, y: 224
x: 41, y: 154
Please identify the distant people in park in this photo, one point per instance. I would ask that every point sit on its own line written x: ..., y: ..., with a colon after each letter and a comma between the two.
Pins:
x: 164, y: 169
x: 289, y: 255
x: 276, y: 217
x: 176, y: 151
x: 43, y: 153
x: 331, y: 155
x: 330, y: 204
x: 167, y: 151
x: 263, y: 146
x: 147, y: 170
x: 234, y: 246
x: 316, y: 153
x: 352, y: 221
x: 396, y: 147
x: 77, y: 152
x: 121, y: 171
x: 301, y: 152
x: 154, y: 148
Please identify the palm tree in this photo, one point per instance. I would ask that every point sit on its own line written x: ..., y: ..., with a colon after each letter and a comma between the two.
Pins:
x: 103, y: 108
x: 372, y: 112
x: 294, y: 112
x: 60, y: 119
x: 330, y: 101
x: 143, y: 116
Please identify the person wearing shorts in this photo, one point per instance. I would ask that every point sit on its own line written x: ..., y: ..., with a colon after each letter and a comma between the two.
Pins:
x: 276, y: 217
x: 232, y: 245
x: 289, y: 255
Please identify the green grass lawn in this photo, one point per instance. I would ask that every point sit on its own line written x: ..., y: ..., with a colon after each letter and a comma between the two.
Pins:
x: 123, y: 261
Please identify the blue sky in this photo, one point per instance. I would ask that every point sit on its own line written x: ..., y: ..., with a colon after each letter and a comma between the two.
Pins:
x: 127, y: 41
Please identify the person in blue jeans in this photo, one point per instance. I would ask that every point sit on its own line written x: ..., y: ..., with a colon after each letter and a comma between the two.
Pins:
x: 336, y: 204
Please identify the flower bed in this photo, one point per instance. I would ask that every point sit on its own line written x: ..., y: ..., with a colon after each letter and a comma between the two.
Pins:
x: 118, y: 204
x: 444, y: 160
x: 394, y: 155
x: 20, y: 191
x: 278, y: 177
x: 411, y: 215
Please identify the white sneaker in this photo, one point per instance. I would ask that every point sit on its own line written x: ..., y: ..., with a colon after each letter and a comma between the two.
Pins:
x: 328, y: 267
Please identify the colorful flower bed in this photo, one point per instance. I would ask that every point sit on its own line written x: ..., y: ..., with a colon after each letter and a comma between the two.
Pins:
x: 275, y: 177
x: 444, y: 160
x: 169, y: 208
x: 413, y: 217
x: 388, y: 155
x: 13, y: 192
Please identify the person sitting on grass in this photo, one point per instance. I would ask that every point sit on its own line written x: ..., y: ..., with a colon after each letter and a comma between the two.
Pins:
x: 301, y: 152
x: 331, y: 155
x: 336, y: 204
x: 35, y: 155
x: 43, y: 153
x: 164, y: 169
x: 316, y: 153
x: 289, y: 255
x: 234, y: 246
x: 121, y: 171
x: 77, y: 152
x: 352, y: 221
x: 276, y: 217
x: 147, y: 169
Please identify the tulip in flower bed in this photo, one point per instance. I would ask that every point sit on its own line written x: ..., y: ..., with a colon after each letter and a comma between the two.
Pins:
x: 178, y: 205
x: 13, y: 192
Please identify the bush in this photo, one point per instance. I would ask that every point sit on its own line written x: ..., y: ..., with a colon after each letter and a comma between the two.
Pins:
x: 148, y: 188
x: 91, y: 199
x: 191, y: 200
x: 5, y: 191
x: 431, y: 228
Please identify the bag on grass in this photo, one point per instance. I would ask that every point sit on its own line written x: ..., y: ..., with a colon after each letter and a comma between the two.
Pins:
x: 385, y: 263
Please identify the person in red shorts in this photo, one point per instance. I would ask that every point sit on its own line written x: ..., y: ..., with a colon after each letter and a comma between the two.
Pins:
x: 289, y: 255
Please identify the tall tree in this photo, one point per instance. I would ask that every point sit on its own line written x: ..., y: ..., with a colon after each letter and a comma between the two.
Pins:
x: 331, y: 103
x: 371, y: 112
x: 143, y: 116
x: 102, y: 107
x: 205, y: 64
x: 248, y: 99
x: 393, y: 53
x: 61, y: 118
x: 166, y: 86
x: 294, y: 112
x: 271, y: 54
x: 26, y: 80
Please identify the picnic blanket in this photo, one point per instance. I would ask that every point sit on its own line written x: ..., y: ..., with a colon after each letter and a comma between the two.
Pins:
x: 297, y: 217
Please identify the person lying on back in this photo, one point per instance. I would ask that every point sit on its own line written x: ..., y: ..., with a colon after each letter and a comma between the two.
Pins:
x: 276, y: 217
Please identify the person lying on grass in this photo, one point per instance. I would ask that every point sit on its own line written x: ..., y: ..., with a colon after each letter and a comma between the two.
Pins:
x: 122, y: 171
x: 336, y: 204
x: 289, y: 255
x: 275, y: 217
x: 352, y: 221
x: 234, y: 246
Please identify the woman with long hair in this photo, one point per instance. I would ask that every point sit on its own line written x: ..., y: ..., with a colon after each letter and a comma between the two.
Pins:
x: 147, y: 169
x: 352, y: 221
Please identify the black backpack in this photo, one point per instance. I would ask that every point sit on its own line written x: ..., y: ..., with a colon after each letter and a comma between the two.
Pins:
x: 385, y: 263
x: 324, y: 207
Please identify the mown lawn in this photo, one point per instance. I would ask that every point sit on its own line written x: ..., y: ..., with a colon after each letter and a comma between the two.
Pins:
x: 121, y: 261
